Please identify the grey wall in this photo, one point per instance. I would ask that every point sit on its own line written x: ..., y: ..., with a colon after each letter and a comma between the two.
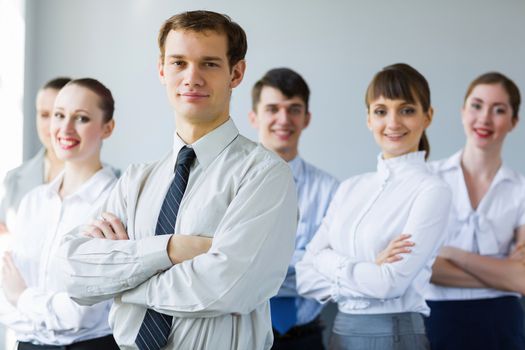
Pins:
x: 336, y: 45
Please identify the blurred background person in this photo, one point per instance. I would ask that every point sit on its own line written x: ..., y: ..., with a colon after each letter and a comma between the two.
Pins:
x: 480, y: 273
x: 40, y: 169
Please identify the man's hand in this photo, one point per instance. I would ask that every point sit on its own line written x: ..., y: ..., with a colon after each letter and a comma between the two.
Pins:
x: 391, y: 254
x: 12, y: 281
x: 108, y: 227
x: 183, y: 247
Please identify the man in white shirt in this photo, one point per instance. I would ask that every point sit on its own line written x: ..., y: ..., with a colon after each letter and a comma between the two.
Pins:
x: 166, y: 295
x: 280, y: 113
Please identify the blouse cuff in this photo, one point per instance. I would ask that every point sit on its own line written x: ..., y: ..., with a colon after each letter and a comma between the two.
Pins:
x: 331, y: 265
x: 153, y: 254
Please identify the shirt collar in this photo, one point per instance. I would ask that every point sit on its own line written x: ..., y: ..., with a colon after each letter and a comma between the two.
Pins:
x: 399, y: 164
x: 504, y: 173
x: 90, y: 190
x: 297, y: 166
x: 453, y: 162
x: 208, y: 147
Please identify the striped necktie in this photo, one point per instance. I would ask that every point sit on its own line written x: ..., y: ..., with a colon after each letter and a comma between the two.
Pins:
x: 155, y: 329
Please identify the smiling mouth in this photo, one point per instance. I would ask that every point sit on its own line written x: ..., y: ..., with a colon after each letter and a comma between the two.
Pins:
x: 396, y: 136
x: 483, y: 133
x: 193, y: 96
x: 283, y: 134
x: 67, y: 143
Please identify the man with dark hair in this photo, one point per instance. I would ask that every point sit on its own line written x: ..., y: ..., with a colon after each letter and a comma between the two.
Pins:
x: 280, y: 113
x: 193, y: 246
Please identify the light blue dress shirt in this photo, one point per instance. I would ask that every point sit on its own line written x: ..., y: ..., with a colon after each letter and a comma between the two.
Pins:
x: 315, y: 189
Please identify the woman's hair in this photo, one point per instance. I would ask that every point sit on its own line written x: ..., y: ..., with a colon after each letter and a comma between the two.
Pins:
x: 106, y: 102
x: 510, y: 87
x: 401, y: 82
x: 56, y: 83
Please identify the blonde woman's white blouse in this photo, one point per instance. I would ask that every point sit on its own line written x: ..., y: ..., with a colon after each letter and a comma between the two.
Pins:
x: 488, y: 230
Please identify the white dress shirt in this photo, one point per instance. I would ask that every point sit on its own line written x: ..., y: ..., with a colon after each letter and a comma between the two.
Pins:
x: 315, y: 189
x: 44, y: 313
x: 488, y: 230
x: 240, y: 194
x: 367, y: 212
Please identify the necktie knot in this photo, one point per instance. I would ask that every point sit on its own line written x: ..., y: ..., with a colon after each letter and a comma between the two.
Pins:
x: 186, y: 156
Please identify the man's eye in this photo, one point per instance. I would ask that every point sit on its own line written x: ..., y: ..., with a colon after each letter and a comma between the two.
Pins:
x: 295, y: 110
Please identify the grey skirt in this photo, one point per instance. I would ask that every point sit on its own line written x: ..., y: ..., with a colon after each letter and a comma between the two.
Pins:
x: 403, y: 331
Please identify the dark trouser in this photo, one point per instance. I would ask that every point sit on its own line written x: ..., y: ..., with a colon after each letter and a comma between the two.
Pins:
x: 488, y: 324
x: 103, y: 343
x: 304, y: 337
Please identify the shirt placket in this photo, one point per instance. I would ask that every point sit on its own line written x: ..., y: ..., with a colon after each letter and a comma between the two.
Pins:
x: 382, y: 187
x: 49, y: 242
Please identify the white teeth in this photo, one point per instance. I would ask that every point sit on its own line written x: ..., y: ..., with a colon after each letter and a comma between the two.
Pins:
x: 483, y: 132
x: 67, y: 143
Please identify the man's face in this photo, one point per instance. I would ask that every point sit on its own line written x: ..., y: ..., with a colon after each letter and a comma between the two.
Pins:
x: 198, y: 77
x: 280, y: 121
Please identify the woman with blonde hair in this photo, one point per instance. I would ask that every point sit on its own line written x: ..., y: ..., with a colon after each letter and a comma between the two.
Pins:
x: 480, y: 273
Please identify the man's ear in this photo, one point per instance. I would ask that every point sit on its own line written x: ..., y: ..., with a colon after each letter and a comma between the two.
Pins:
x: 252, y: 117
x: 160, y: 70
x: 307, y: 119
x: 237, y: 73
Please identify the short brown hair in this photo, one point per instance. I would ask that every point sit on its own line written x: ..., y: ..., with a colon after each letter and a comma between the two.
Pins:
x: 401, y: 82
x: 288, y: 81
x: 106, y: 102
x: 202, y: 21
x: 510, y: 87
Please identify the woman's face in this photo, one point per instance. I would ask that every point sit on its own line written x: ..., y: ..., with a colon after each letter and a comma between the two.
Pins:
x: 397, y: 125
x: 45, y: 100
x: 77, y: 126
x: 487, y: 116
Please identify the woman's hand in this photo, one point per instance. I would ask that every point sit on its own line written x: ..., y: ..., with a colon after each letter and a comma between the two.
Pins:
x: 108, y: 227
x: 12, y: 281
x: 396, y: 247
x: 518, y: 253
